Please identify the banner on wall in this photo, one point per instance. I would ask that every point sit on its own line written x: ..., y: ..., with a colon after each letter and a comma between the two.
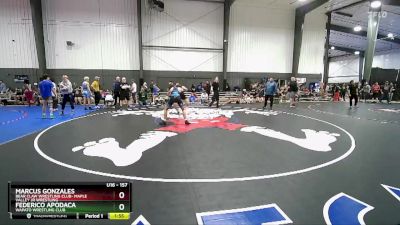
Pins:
x: 20, y: 78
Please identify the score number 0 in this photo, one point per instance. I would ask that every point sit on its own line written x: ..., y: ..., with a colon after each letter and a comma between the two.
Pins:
x: 121, y: 195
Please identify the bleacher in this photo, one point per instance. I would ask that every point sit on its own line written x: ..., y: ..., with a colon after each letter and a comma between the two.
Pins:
x: 8, y: 98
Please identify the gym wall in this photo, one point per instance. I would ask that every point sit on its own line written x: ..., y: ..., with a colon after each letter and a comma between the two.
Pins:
x: 17, y: 40
x: 346, y: 68
x: 103, y: 32
x: 184, y: 25
x: 261, y: 38
x: 104, y: 37
x: 313, y: 42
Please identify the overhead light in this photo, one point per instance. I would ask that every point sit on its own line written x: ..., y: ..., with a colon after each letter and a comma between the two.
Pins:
x: 376, y: 4
x: 302, y: 0
x: 357, y: 28
x: 357, y: 52
x: 333, y: 47
x: 390, y: 35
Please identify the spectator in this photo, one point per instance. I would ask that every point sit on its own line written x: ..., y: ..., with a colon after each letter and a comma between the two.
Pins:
x: 170, y: 85
x: 96, y: 90
x: 108, y: 98
x: 28, y: 92
x: 116, y: 91
x: 365, y: 92
x: 199, y: 87
x: 391, y: 92
x: 386, y: 89
x: 3, y: 87
x: 208, y: 89
x: 343, y: 91
x: 376, y: 91
x: 336, y: 93
x: 353, y: 93
x: 192, y: 98
x: 204, y: 97
x: 271, y: 88
x: 78, y: 96
x: 155, y: 92
x: 67, y: 94
x: 193, y: 88
x: 124, y: 95
x: 283, y: 93
x: 227, y: 87
x: 87, y: 95
x: 293, y: 89
x: 215, y: 87
x: 236, y: 88
x: 151, y: 86
x: 134, y: 91
x: 143, y: 95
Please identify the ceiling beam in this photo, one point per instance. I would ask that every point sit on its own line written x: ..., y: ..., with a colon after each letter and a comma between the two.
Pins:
x: 346, y: 49
x: 384, y: 2
x: 311, y: 6
x: 347, y: 6
x: 363, y: 33
x: 348, y: 30
x: 391, y: 2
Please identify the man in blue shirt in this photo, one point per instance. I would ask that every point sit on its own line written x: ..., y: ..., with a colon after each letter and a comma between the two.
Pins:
x: 3, y: 87
x: 270, y: 90
x: 46, y: 90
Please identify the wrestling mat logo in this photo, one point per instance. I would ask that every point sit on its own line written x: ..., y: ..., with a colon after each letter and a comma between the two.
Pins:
x: 109, y: 148
x: 215, y: 147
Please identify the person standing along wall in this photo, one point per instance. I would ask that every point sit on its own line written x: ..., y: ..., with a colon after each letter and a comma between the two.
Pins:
x: 87, y: 95
x: 3, y: 87
x: 353, y: 94
x: 143, y: 96
x: 386, y: 90
x: 343, y: 91
x: 134, y: 91
x: 124, y: 95
x: 66, y: 91
x: 293, y: 90
x: 376, y: 91
x: 116, y: 91
x: 155, y: 92
x: 391, y: 92
x: 28, y: 92
x: 96, y: 90
x: 365, y: 93
x: 208, y: 89
x: 215, y: 87
x: 270, y: 89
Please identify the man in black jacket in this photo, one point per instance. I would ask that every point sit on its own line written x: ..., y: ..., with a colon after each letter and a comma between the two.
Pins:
x: 293, y: 89
x: 215, y: 87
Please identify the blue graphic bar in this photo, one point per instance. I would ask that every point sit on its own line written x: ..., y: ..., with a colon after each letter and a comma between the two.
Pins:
x: 346, y: 210
x: 246, y: 216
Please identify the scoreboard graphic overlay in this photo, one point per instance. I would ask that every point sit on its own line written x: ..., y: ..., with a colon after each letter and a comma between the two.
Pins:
x: 102, y: 200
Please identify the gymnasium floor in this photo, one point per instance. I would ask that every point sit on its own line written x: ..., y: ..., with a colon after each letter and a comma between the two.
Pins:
x: 315, y: 164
